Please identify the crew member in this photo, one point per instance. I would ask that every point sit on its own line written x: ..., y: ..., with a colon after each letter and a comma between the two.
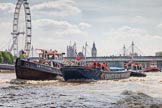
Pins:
x: 103, y: 66
x: 98, y: 66
x: 94, y: 64
x: 23, y: 54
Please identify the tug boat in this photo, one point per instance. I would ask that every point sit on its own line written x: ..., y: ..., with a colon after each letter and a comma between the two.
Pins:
x: 46, y: 67
x: 135, y: 69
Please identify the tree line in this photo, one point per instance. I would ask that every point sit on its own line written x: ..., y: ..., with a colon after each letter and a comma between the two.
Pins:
x: 6, y: 57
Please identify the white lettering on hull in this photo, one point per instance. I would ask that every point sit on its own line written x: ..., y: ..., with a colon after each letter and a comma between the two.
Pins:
x: 108, y: 76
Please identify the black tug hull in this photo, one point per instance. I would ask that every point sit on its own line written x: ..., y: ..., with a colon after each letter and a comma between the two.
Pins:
x: 34, y: 71
x: 137, y: 74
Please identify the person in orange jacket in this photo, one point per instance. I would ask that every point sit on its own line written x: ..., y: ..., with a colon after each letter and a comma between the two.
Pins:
x: 98, y: 66
x: 94, y: 64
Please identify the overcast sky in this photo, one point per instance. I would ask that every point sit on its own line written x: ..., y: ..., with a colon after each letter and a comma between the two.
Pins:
x: 111, y: 24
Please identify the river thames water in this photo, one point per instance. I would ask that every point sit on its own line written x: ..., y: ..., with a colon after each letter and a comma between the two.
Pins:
x: 134, y: 92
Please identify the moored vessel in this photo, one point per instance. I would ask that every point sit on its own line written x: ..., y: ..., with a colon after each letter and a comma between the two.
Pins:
x: 152, y: 68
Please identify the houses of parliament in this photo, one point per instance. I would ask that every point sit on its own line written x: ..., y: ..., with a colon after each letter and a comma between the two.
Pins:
x: 72, y: 51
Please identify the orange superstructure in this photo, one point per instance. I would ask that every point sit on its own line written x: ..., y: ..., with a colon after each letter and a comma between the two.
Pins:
x: 50, y: 54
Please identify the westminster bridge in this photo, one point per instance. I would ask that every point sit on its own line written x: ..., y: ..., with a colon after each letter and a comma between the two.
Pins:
x: 120, y: 60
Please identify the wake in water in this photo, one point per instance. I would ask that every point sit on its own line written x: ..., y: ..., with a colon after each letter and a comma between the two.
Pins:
x: 138, y: 100
x: 133, y: 92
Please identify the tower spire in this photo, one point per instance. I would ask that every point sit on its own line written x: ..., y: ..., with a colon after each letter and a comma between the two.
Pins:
x: 124, y: 51
x: 94, y: 50
x: 132, y: 54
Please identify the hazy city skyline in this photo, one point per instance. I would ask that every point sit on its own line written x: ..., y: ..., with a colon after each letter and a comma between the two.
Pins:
x: 109, y: 23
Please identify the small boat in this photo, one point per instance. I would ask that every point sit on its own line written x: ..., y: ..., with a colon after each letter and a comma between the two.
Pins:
x: 152, y: 68
x: 135, y: 69
x: 44, y: 68
x: 88, y: 72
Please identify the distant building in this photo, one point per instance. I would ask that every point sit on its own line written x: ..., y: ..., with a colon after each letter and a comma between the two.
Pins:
x: 94, y: 50
x: 71, y: 50
x: 158, y: 53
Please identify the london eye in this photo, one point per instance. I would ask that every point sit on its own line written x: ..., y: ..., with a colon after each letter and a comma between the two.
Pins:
x: 17, y: 32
